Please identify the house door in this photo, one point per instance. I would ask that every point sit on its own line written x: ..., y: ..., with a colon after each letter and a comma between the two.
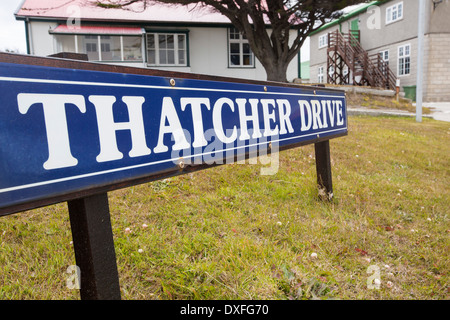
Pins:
x: 354, y: 29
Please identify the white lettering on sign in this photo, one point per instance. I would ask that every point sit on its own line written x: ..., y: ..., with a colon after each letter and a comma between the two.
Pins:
x: 170, y: 115
x: 315, y: 114
x: 217, y: 121
x: 107, y: 127
x: 284, y: 112
x: 196, y: 108
x: 54, y: 107
x: 276, y: 121
x: 244, y: 118
x: 269, y: 117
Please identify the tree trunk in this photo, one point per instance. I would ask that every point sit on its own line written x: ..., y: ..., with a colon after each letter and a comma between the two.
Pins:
x: 275, y: 60
x: 276, y: 70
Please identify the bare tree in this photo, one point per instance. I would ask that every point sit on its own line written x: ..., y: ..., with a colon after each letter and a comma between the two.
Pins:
x: 266, y: 24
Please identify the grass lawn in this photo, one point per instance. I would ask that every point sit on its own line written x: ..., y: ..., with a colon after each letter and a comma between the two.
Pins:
x: 379, y: 103
x: 231, y: 233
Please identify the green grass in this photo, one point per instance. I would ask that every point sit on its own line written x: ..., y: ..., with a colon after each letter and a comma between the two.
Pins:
x: 231, y: 233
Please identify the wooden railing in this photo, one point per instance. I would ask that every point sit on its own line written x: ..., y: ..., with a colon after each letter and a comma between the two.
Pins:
x: 371, y: 70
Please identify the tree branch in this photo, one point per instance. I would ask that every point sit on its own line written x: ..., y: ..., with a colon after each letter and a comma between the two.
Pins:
x: 267, y: 23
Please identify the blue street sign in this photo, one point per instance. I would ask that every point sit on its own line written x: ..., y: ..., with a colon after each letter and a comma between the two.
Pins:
x: 66, y: 130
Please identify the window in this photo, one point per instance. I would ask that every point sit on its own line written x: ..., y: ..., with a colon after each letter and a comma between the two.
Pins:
x: 323, y: 41
x: 394, y: 13
x: 167, y: 49
x: 239, y: 52
x: 384, y: 55
x: 102, y: 47
x: 404, y: 60
x: 320, y: 75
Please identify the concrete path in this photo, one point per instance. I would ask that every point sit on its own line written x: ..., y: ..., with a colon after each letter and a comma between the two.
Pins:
x: 378, y: 112
x: 440, y: 111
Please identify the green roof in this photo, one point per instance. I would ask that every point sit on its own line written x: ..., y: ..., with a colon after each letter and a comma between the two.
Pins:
x: 349, y: 15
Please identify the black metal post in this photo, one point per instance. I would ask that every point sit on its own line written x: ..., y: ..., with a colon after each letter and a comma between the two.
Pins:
x: 94, y: 247
x: 323, y: 169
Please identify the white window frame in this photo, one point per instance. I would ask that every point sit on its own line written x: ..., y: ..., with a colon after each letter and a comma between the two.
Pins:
x: 323, y: 41
x: 241, y: 41
x: 320, y: 74
x: 394, y: 13
x: 176, y: 49
x: 401, y: 72
x: 384, y: 54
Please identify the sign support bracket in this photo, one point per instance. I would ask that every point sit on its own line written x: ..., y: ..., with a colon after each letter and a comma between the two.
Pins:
x: 94, y: 247
x: 323, y: 169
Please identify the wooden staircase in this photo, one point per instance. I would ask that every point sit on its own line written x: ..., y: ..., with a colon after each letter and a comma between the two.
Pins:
x: 349, y: 63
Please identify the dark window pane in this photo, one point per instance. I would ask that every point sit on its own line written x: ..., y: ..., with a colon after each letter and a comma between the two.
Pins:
x: 162, y: 41
x: 181, y: 57
x: 248, y: 61
x: 170, y: 41
x: 170, y: 56
x: 234, y: 59
x: 407, y: 65
x: 151, y: 41
x: 151, y: 56
x: 162, y: 57
x: 181, y: 41
x: 234, y: 48
x: 246, y: 48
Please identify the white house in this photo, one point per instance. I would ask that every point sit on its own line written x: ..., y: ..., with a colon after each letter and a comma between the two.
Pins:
x: 169, y: 37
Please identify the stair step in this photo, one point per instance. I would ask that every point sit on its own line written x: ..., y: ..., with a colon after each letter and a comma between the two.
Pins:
x: 362, y: 65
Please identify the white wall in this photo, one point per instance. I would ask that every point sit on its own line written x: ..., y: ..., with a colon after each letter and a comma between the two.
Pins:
x: 209, y: 55
x: 208, y: 52
x: 42, y: 43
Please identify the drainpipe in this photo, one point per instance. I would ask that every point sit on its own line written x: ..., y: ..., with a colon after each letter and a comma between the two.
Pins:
x: 29, y: 36
x: 26, y: 36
